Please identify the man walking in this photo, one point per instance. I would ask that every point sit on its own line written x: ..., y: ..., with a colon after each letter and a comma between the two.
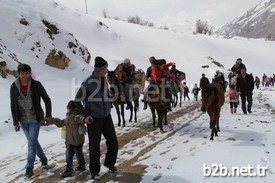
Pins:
x: 25, y: 96
x: 245, y: 86
x: 97, y: 108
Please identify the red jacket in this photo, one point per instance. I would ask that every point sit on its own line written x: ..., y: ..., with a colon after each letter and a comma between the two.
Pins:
x: 121, y: 76
x: 157, y: 71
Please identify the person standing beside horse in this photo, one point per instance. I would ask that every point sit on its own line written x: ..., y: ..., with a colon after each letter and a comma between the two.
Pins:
x: 129, y: 69
x: 203, y: 81
x: 245, y: 86
x: 93, y: 94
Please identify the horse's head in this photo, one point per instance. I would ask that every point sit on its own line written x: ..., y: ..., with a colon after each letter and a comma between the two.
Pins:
x: 111, y: 77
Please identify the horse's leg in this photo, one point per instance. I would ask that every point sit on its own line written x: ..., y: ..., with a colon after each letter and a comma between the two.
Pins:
x: 176, y: 100
x: 213, y: 130
x: 180, y: 98
x: 131, y: 112
x: 165, y: 118
x: 118, y: 114
x: 160, y: 119
x: 122, y: 114
x: 136, y: 105
x: 153, y: 117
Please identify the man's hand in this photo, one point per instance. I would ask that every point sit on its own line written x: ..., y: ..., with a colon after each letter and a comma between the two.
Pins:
x: 48, y: 120
x: 17, y: 128
x: 89, y: 120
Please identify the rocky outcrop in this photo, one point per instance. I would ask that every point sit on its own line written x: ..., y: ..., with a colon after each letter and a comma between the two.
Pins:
x: 57, y: 59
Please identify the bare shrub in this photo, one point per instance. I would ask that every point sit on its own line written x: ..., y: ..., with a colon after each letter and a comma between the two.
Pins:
x: 202, y: 27
x: 270, y: 37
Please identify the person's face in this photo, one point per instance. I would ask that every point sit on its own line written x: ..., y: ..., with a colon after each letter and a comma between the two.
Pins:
x: 243, y: 72
x: 24, y: 76
x: 103, y: 72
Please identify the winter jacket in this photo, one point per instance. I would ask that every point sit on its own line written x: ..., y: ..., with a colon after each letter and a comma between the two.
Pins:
x: 121, y: 76
x: 233, y: 95
x: 37, y: 92
x: 71, y: 122
x: 245, y: 85
x: 93, y: 93
x: 130, y: 72
x: 203, y: 82
x: 237, y: 69
x: 157, y: 72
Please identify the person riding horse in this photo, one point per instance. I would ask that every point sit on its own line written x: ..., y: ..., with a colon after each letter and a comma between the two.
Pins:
x: 129, y: 69
x: 156, y: 75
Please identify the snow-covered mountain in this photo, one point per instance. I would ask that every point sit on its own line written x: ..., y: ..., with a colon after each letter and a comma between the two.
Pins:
x: 258, y: 22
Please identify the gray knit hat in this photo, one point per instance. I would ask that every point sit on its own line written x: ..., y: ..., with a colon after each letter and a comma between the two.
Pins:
x: 100, y: 64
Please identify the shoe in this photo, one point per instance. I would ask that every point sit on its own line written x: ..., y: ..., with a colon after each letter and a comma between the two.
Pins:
x: 249, y: 112
x: 44, y: 164
x: 68, y: 173
x: 95, y: 176
x: 111, y: 168
x: 29, y: 173
x: 80, y: 169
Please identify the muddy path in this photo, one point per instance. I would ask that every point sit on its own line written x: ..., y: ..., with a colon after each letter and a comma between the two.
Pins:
x: 129, y: 169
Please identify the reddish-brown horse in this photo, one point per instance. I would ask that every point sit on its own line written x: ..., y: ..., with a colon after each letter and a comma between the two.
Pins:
x: 212, y: 101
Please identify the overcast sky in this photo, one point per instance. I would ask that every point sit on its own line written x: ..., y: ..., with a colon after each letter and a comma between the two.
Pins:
x: 216, y: 12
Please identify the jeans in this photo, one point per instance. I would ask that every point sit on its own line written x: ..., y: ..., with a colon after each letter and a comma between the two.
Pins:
x: 31, y: 131
x: 77, y: 150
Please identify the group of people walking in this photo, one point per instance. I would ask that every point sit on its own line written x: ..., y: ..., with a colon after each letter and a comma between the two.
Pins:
x: 91, y: 108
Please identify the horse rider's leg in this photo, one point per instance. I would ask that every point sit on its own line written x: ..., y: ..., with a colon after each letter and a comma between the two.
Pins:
x: 126, y: 91
x: 168, y: 97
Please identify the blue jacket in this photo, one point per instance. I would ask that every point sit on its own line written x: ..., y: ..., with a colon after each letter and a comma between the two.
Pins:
x: 92, y: 98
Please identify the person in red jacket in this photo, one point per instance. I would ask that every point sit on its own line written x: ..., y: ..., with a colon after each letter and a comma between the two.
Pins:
x: 122, y: 77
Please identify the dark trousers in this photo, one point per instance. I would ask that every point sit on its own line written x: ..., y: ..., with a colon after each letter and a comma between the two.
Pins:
x: 105, y: 127
x: 74, y: 150
x: 247, y: 98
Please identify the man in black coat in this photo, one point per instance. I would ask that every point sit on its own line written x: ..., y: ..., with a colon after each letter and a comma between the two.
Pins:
x: 245, y: 86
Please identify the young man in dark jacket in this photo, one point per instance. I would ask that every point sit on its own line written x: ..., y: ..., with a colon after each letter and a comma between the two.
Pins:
x: 93, y: 93
x: 26, y: 110
x: 245, y: 86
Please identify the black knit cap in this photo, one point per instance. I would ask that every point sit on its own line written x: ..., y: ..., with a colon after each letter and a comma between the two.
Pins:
x: 100, y: 64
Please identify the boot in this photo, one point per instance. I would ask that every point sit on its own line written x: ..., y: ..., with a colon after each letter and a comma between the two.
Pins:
x: 231, y: 110
x: 235, y: 110
x: 68, y: 173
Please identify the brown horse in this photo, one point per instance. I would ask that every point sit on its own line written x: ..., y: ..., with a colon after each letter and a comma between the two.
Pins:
x: 212, y: 101
x: 119, y: 101
x: 155, y: 104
